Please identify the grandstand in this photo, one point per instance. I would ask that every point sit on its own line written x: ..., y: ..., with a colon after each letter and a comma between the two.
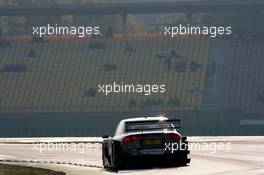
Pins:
x: 62, y: 70
x: 49, y: 86
x: 245, y: 81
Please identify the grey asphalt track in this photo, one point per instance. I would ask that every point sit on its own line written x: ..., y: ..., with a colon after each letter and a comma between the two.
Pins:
x: 210, y: 156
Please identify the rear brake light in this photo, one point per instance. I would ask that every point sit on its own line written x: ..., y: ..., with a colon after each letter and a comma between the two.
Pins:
x: 174, y: 137
x: 129, y: 139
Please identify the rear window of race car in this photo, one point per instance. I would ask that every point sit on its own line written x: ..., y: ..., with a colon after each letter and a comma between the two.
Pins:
x: 148, y: 126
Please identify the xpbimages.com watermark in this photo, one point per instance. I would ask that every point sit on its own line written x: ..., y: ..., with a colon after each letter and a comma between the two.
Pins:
x: 210, y: 147
x: 169, y: 147
x: 80, y: 148
x: 145, y: 89
x: 80, y: 31
x: 211, y: 31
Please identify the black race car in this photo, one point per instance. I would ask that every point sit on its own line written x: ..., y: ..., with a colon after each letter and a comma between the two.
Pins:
x: 146, y: 140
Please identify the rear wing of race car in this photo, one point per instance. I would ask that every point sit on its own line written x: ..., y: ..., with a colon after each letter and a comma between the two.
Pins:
x: 152, y: 125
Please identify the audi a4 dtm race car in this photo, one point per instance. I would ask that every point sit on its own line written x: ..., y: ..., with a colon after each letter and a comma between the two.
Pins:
x: 145, y: 140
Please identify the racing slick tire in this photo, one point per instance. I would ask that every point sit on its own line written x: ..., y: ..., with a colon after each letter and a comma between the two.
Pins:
x: 105, y: 155
x: 116, y: 161
x: 184, y: 160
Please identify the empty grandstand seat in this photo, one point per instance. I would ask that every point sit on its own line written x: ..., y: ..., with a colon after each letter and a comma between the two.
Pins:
x: 61, y: 75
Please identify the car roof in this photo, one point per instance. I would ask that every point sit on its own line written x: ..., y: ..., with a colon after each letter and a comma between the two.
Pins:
x: 145, y: 119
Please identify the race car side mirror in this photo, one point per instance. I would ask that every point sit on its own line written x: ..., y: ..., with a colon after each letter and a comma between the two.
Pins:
x: 105, y: 136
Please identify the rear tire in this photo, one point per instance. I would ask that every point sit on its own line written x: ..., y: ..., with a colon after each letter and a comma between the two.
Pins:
x: 116, y: 161
x: 105, y: 155
x: 184, y: 160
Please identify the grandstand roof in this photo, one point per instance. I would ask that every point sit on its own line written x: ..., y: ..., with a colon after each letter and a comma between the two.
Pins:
x: 132, y: 8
